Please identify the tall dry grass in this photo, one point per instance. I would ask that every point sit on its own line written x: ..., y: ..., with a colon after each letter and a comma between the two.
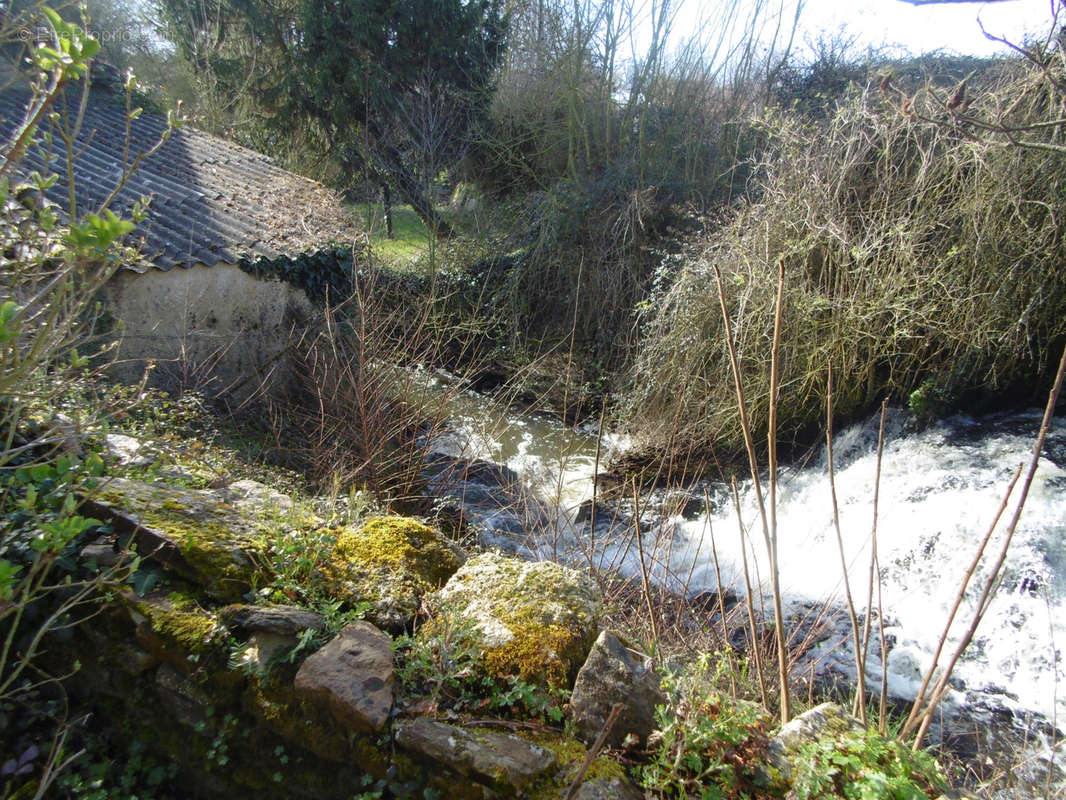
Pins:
x: 922, y: 258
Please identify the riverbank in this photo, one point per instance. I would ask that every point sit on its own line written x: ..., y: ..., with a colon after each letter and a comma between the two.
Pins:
x: 213, y: 654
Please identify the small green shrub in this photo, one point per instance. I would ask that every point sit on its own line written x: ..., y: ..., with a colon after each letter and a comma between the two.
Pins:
x: 441, y: 668
x: 708, y: 744
x: 865, y: 766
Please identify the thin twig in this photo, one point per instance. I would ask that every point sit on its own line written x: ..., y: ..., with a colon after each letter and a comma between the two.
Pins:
x: 875, y: 573
x: 594, y: 751
x: 749, y: 602
x: 771, y: 549
x: 644, y: 580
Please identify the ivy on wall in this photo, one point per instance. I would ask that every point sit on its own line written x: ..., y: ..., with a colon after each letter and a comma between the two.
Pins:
x: 324, y: 275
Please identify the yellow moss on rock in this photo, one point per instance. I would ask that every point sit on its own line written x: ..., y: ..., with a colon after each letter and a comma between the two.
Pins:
x: 181, y: 622
x: 222, y: 549
x: 535, y: 651
x: 398, y: 543
x: 537, y: 619
x: 390, y: 563
x: 570, y: 755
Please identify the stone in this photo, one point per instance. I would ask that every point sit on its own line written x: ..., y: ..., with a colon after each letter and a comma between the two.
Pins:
x: 828, y: 719
x: 171, y: 626
x: 352, y: 676
x: 102, y: 552
x: 127, y: 451
x: 186, y: 704
x: 194, y: 533
x: 271, y: 630
x: 608, y: 789
x: 613, y: 674
x: 537, y: 620
x: 392, y: 564
x: 505, y: 763
x: 253, y: 495
x: 277, y: 619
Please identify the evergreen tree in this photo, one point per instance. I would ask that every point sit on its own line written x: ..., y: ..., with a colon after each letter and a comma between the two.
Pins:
x: 396, y: 86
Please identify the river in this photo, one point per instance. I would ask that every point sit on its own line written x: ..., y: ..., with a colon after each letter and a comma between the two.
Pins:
x: 940, y: 488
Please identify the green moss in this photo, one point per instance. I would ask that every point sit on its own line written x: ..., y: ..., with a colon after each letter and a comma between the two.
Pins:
x: 550, y: 615
x: 181, y: 622
x: 535, y: 651
x: 396, y: 543
x: 221, y: 547
x: 571, y: 754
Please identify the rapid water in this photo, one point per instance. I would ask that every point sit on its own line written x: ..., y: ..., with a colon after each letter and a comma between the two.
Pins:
x: 940, y: 489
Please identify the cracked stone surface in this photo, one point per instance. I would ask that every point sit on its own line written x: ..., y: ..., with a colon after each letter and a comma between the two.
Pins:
x: 352, y: 676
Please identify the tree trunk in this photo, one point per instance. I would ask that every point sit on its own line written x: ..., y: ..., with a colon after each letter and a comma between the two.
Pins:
x: 386, y: 203
x: 389, y: 161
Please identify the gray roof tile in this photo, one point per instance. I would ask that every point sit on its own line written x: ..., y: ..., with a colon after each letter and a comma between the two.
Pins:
x: 211, y: 200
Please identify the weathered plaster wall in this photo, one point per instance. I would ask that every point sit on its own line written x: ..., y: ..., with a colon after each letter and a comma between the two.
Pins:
x: 215, y: 327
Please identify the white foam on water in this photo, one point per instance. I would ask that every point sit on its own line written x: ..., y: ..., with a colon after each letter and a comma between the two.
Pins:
x: 940, y: 489
x: 939, y: 492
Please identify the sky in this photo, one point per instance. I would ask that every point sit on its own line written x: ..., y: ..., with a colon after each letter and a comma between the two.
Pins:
x: 951, y: 26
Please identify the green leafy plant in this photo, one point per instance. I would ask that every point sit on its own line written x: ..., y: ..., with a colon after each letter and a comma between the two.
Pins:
x: 50, y: 273
x: 865, y: 766
x: 708, y: 744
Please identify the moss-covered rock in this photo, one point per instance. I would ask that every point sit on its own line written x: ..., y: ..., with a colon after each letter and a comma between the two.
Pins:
x: 506, y: 763
x: 537, y: 619
x: 173, y: 626
x: 390, y: 563
x: 194, y: 533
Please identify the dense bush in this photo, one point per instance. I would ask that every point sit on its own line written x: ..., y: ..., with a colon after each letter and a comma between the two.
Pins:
x: 922, y: 252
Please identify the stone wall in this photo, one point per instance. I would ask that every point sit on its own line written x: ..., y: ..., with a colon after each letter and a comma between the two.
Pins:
x: 214, y: 327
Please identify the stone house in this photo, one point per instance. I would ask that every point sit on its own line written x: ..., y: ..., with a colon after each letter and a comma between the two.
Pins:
x: 234, y: 253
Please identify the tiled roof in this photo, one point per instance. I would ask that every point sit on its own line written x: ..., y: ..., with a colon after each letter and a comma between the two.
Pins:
x: 211, y: 200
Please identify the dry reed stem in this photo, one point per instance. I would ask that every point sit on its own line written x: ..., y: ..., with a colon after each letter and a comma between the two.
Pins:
x: 749, y: 602
x: 594, y: 751
x: 771, y: 547
x: 644, y: 580
x: 875, y: 574
x: 860, y: 683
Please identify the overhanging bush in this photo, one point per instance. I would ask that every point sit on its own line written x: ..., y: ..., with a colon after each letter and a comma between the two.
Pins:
x: 919, y: 257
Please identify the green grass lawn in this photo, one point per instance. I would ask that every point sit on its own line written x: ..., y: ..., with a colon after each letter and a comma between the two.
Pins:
x: 411, y: 239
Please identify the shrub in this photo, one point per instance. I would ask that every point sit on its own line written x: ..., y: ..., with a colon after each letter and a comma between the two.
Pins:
x: 707, y: 744
x: 917, y: 255
x: 50, y: 270
x: 865, y: 766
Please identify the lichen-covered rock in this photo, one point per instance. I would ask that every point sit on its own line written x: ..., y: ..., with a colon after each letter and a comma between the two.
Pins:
x: 615, y: 674
x: 828, y: 719
x: 537, y: 619
x: 392, y: 563
x: 505, y: 763
x: 195, y: 533
x: 608, y: 789
x: 252, y: 495
x: 352, y: 676
x: 127, y: 451
x: 277, y: 619
x: 173, y: 626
